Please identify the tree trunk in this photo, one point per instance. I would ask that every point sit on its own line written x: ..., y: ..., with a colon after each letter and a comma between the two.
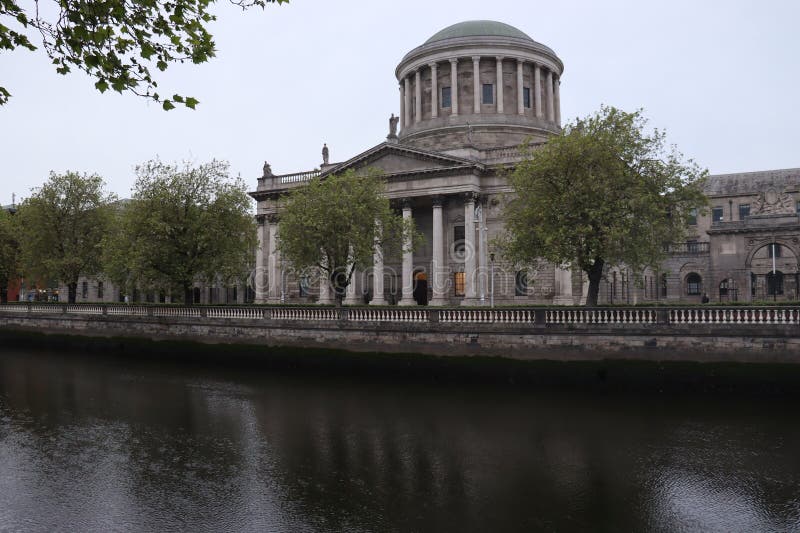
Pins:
x: 339, y: 285
x: 72, y: 292
x: 595, y: 273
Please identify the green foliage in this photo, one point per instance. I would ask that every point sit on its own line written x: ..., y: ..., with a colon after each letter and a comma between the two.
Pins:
x: 604, y: 192
x: 61, y: 227
x: 9, y: 251
x: 334, y: 223
x: 182, y: 225
x: 119, y: 43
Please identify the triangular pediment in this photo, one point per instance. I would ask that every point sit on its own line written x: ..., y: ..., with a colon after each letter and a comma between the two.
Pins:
x: 393, y: 159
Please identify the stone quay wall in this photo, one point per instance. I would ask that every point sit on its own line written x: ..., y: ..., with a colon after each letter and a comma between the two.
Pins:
x: 698, y: 334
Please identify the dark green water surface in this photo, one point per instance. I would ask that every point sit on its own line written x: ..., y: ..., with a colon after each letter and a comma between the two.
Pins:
x: 103, y: 444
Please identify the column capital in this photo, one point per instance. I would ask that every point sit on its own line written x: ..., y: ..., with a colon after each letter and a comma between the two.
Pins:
x: 406, y: 203
x: 453, y: 60
x: 475, y: 59
x: 433, y: 65
x: 261, y: 219
x: 438, y: 200
x: 470, y: 196
x: 520, y: 61
x: 272, y: 218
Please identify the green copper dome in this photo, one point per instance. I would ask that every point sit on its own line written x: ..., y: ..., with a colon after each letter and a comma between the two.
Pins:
x: 478, y: 28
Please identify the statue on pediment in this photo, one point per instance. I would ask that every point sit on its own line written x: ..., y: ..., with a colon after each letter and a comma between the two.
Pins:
x: 772, y: 202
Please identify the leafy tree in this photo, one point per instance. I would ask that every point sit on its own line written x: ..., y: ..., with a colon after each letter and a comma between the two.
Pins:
x: 9, y: 252
x: 604, y: 192
x: 61, y: 227
x: 119, y: 43
x: 182, y: 225
x: 333, y: 224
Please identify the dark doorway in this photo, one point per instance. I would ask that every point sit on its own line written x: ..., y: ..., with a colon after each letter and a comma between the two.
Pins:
x: 421, y: 288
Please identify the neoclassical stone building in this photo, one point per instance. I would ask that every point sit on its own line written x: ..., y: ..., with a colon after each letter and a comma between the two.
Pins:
x: 469, y: 97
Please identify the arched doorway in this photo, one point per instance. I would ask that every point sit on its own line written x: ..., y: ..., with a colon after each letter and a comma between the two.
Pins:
x: 773, y: 272
x: 420, y: 288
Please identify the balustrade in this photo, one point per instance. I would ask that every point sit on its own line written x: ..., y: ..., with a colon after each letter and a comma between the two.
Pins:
x: 461, y: 315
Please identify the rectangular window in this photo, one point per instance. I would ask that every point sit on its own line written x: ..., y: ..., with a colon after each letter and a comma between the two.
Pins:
x: 797, y: 207
x: 446, y: 97
x: 459, y: 278
x: 458, y: 239
x: 716, y: 214
x: 744, y: 211
x: 100, y: 290
x: 776, y: 248
x: 85, y: 290
x: 692, y: 219
x: 526, y: 96
x: 488, y: 93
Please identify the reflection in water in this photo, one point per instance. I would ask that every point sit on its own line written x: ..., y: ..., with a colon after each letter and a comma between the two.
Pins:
x: 94, y: 444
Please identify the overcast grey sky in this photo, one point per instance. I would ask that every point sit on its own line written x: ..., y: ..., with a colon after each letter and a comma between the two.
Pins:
x: 721, y: 77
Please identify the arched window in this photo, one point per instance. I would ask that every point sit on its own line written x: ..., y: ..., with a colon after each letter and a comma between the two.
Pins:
x: 693, y: 284
x: 664, y: 285
x: 521, y: 283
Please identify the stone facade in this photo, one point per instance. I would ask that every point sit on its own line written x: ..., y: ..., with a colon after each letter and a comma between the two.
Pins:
x: 469, y: 97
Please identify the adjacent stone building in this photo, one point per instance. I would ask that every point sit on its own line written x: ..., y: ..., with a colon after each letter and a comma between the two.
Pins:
x: 469, y: 97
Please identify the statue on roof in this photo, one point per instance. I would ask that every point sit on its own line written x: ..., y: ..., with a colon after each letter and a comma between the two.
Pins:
x: 393, y: 120
x: 325, y: 154
x: 267, y: 171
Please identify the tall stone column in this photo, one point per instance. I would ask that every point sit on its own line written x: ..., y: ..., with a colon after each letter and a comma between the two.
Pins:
x: 351, y: 296
x: 406, y: 100
x: 273, y: 263
x: 499, y: 60
x: 417, y: 96
x: 470, y: 249
x: 454, y: 87
x: 483, y: 257
x: 402, y: 107
x: 377, y: 270
x: 324, y: 286
x: 438, y: 275
x: 537, y: 90
x: 520, y: 94
x: 551, y: 117
x: 434, y: 90
x: 260, y: 277
x: 408, y: 262
x: 476, y: 84
x: 557, y: 99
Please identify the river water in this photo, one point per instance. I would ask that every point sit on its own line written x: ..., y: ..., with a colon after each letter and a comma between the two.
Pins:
x: 91, y: 443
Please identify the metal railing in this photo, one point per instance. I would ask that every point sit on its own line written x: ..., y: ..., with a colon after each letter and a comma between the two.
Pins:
x: 539, y: 316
